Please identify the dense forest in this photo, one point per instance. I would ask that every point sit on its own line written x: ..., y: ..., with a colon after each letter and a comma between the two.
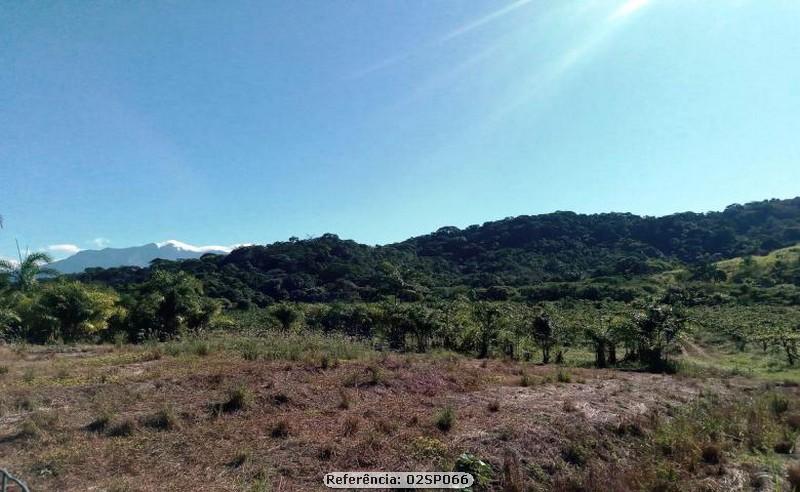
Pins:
x: 541, y: 257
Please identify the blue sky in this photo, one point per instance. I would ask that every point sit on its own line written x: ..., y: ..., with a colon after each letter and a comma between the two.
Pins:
x: 236, y: 122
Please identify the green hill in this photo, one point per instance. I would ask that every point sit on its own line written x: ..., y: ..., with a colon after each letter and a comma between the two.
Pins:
x: 539, y: 257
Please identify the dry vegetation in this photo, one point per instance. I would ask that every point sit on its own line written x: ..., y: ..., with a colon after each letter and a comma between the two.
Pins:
x: 247, y: 415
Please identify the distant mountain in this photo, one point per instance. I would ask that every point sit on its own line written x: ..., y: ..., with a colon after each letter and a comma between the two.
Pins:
x: 139, y: 256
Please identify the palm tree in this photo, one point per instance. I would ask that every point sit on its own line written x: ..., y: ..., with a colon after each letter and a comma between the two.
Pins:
x: 25, y: 272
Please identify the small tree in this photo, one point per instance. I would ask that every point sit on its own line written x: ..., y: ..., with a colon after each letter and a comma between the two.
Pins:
x: 167, y: 304
x: 657, y: 330
x: 71, y: 311
x: 542, y: 329
x: 490, y: 318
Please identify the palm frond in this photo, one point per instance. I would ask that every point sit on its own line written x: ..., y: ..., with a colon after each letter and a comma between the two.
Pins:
x: 38, y: 257
x: 7, y: 266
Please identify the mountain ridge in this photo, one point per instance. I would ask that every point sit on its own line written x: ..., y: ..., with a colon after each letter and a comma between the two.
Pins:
x: 134, y: 256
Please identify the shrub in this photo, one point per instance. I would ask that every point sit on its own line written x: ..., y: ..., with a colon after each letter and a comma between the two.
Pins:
x: 3, y: 370
x: 563, y: 376
x: 493, y: 406
x: 525, y: 380
x: 445, y: 419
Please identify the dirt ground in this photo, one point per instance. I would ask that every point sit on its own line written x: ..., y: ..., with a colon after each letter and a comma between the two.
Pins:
x: 300, y: 420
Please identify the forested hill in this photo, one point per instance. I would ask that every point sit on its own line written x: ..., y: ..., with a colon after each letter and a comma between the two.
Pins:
x: 519, y: 251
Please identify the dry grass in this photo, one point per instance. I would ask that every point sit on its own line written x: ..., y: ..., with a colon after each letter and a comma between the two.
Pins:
x: 207, y: 416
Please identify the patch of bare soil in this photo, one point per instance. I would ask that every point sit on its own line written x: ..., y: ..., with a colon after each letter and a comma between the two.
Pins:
x: 87, y: 423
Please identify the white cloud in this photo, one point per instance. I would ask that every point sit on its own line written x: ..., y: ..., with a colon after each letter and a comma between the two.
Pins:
x: 70, y: 249
x: 628, y: 8
x: 200, y: 249
x: 100, y: 242
x: 13, y: 261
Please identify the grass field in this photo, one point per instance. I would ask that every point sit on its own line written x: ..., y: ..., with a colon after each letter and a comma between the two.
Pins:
x: 278, y: 412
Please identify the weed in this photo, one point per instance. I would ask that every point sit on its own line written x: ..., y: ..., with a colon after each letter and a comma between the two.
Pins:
x: 563, y: 376
x: 525, y: 380
x: 28, y: 375
x: 493, y: 406
x: 280, y: 398
x: 238, y: 460
x: 123, y: 428
x: 250, y: 351
x: 375, y: 375
x: 711, y: 454
x: 779, y: 404
x: 793, y: 475
x: 164, y: 419
x: 100, y: 423
x: 385, y: 426
x: 512, y: 476
x: 575, y: 454
x: 506, y: 434
x: 239, y: 398
x: 344, y: 400
x: 120, y: 339
x: 350, y: 425
x: 325, y: 453
x: 3, y: 370
x: 445, y: 419
x: 280, y: 430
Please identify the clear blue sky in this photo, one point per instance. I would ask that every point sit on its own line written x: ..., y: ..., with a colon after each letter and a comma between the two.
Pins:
x: 234, y: 122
